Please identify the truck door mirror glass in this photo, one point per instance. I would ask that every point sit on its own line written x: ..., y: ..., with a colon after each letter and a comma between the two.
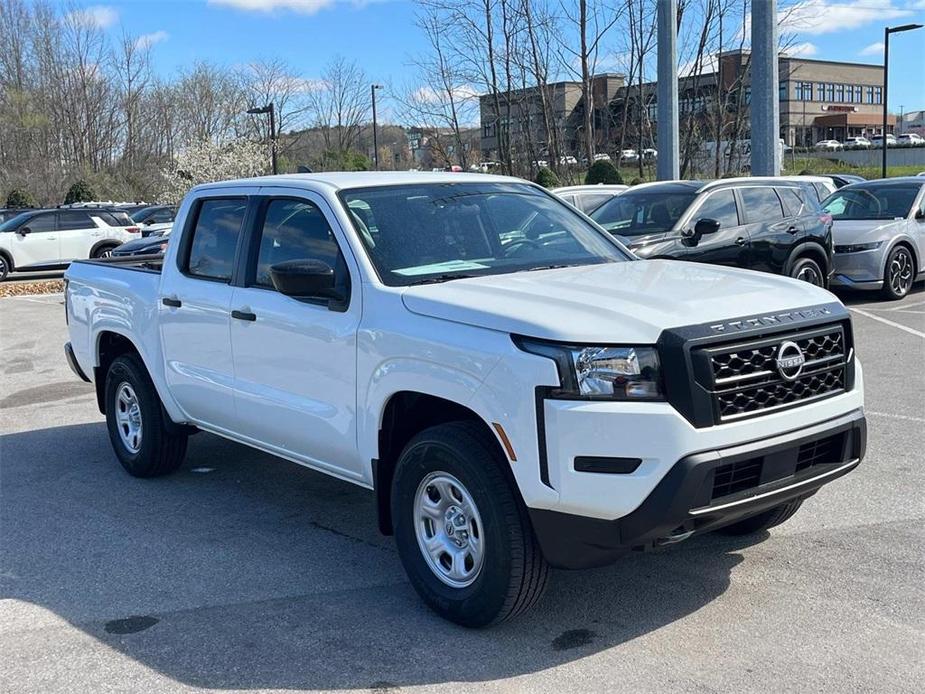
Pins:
x: 706, y: 226
x: 304, y: 279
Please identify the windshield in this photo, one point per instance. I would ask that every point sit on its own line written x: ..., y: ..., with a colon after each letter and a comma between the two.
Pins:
x: 642, y: 212
x: 872, y: 202
x: 143, y: 214
x: 415, y: 234
x: 15, y: 222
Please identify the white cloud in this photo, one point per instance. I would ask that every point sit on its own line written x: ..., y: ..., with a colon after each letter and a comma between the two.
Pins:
x: 428, y: 95
x: 301, y: 6
x: 872, y: 49
x: 824, y: 16
x: 803, y: 50
x: 101, y: 16
x: 148, y: 40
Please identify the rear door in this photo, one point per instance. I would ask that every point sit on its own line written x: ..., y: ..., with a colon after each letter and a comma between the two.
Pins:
x: 194, y: 309
x: 35, y: 242
x: 729, y: 245
x: 77, y: 232
x: 772, y: 230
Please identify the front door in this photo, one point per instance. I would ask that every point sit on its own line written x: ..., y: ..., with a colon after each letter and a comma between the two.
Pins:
x: 35, y: 243
x: 295, y: 359
x: 194, y: 311
x: 727, y: 246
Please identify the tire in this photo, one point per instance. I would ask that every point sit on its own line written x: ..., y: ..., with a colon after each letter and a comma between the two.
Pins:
x: 5, y: 267
x: 763, y: 521
x: 501, y: 572
x: 808, y: 270
x: 102, y: 252
x: 899, y: 273
x: 136, y: 422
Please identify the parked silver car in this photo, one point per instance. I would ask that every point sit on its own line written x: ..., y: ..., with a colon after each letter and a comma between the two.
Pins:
x: 879, y: 233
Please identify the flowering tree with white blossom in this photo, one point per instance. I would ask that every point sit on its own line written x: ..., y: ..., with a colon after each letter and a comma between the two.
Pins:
x: 207, y: 161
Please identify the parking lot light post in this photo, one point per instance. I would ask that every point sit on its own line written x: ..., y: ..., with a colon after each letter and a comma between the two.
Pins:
x: 886, y: 82
x: 270, y: 109
x: 372, y: 91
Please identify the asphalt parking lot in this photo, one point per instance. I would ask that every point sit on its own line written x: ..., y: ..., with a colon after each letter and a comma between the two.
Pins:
x: 245, y: 572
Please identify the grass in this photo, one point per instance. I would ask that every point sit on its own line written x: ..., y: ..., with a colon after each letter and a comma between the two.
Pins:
x: 827, y: 166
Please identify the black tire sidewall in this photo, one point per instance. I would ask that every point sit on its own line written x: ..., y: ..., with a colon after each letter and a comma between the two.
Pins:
x: 804, y: 261
x: 887, y: 287
x: 481, y: 602
x: 5, y: 267
x: 98, y: 252
x: 127, y: 369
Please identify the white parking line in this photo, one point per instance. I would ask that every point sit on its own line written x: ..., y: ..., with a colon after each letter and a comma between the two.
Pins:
x: 905, y: 307
x: 895, y: 416
x: 906, y: 328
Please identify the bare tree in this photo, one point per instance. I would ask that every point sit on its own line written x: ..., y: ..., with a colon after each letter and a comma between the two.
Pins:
x: 339, y: 105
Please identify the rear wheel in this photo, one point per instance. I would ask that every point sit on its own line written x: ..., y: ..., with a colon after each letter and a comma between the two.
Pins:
x: 899, y: 273
x: 462, y: 534
x: 103, y: 252
x: 140, y: 438
x: 763, y: 521
x: 4, y: 267
x: 808, y: 270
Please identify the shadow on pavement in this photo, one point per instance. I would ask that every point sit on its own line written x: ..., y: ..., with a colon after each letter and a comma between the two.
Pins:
x: 855, y: 297
x: 243, y: 571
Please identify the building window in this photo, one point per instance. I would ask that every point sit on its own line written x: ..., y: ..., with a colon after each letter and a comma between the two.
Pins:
x: 878, y: 95
x: 830, y: 92
x: 870, y: 95
x: 804, y: 91
x: 839, y: 92
x: 820, y: 91
x: 782, y: 91
x: 857, y: 93
x: 849, y: 94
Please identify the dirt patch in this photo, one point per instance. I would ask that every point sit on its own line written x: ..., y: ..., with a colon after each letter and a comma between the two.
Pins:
x: 29, y: 288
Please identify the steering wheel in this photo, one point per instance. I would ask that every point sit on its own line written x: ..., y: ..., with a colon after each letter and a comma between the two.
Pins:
x: 513, y: 248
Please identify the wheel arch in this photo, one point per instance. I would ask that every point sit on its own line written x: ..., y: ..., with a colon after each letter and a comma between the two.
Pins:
x: 105, y: 243
x: 405, y: 414
x: 908, y: 243
x: 813, y: 250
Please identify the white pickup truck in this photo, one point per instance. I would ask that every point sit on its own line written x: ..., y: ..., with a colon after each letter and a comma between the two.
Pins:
x: 515, y: 387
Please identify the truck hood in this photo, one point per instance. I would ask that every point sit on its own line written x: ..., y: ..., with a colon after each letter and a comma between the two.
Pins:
x: 614, y: 302
x: 851, y: 231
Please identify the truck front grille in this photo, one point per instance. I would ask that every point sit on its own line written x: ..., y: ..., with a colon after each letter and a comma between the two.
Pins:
x: 745, y: 380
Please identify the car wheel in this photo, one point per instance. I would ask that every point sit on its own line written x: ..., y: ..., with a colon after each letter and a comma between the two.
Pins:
x: 763, y: 521
x: 104, y: 252
x: 463, y: 535
x: 4, y: 267
x: 899, y: 274
x: 808, y: 270
x: 135, y: 420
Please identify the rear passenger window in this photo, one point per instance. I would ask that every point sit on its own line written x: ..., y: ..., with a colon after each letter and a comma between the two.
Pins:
x: 215, y: 237
x: 821, y: 191
x: 793, y: 201
x: 720, y: 206
x: 761, y: 204
x: 73, y: 219
x: 591, y: 201
x: 293, y: 230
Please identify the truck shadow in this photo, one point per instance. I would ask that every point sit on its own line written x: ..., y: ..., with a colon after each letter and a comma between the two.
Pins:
x: 242, y: 571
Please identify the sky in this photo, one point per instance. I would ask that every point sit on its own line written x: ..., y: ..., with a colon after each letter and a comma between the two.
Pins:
x: 381, y: 36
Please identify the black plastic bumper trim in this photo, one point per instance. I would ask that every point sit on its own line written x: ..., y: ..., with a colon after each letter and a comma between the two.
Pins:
x: 610, y: 466
x: 72, y: 362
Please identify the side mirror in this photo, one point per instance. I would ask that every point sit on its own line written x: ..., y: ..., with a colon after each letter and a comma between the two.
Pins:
x: 706, y: 226
x: 23, y: 231
x: 304, y: 279
x: 920, y: 215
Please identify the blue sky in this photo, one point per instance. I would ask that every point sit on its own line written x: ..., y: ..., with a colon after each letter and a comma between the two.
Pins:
x: 380, y: 34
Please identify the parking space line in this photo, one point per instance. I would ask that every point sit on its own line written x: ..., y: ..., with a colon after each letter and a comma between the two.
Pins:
x: 906, y: 328
x: 895, y: 416
x: 904, y: 307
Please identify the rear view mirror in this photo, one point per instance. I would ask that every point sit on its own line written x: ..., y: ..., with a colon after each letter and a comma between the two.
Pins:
x: 706, y: 226
x: 304, y: 279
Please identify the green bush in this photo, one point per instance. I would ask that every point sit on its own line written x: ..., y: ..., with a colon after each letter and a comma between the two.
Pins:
x: 19, y: 198
x: 603, y: 171
x: 79, y: 192
x: 636, y: 181
x: 547, y: 178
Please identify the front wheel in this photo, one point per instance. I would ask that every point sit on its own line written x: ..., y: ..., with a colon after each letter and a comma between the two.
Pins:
x: 104, y: 252
x: 140, y: 438
x: 4, y: 267
x: 463, y: 536
x: 899, y: 274
x: 808, y: 270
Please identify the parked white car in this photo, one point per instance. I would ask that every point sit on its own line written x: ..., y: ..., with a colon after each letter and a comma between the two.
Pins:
x: 48, y: 239
x: 877, y: 140
x: 588, y: 198
x: 567, y: 160
x: 629, y: 155
x: 910, y: 140
x: 856, y: 143
x: 517, y: 391
x: 827, y: 146
x: 820, y: 186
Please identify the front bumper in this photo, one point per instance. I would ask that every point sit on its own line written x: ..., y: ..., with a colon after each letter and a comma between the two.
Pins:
x: 684, y: 502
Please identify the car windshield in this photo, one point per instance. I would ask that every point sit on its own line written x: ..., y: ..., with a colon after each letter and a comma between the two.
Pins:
x: 416, y: 234
x: 642, y: 212
x: 14, y: 222
x: 142, y: 214
x: 872, y: 202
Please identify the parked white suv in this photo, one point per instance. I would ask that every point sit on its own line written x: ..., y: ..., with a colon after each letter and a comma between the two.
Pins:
x: 47, y: 239
x: 516, y: 388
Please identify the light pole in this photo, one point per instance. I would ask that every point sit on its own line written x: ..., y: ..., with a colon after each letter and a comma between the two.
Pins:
x: 372, y: 91
x: 270, y: 109
x: 886, y: 80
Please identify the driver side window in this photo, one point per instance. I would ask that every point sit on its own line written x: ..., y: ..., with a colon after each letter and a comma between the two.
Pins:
x: 722, y: 207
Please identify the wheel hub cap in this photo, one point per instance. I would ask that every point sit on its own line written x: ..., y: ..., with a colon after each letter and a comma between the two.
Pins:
x: 901, y: 272
x: 128, y: 417
x: 448, y: 529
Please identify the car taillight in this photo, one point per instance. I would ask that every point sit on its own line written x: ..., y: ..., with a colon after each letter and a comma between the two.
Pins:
x: 133, y: 230
x: 826, y: 219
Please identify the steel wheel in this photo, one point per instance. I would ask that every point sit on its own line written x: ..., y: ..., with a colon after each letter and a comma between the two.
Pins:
x: 449, y: 529
x: 128, y: 417
x: 900, y: 272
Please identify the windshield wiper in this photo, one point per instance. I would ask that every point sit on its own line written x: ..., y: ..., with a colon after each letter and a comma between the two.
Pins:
x: 446, y: 277
x: 551, y: 267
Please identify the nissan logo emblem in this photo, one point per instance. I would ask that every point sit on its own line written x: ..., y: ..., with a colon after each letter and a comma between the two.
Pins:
x: 790, y: 360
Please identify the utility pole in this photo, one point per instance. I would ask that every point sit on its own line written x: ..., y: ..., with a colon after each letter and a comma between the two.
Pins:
x: 372, y: 91
x: 667, y: 163
x: 269, y: 109
x: 886, y: 81
x: 765, y: 104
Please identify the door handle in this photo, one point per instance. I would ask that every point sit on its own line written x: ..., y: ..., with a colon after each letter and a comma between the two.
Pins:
x: 244, y: 315
x: 171, y: 301
x: 741, y: 241
x: 792, y: 230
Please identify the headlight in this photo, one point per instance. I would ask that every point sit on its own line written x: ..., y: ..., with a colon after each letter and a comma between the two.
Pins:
x: 857, y: 247
x: 602, y: 372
